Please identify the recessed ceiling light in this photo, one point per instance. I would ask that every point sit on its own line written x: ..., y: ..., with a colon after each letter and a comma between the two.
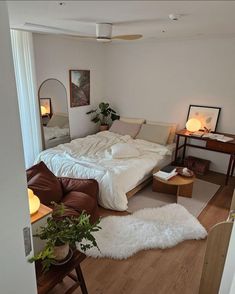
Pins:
x: 62, y: 3
x: 173, y: 17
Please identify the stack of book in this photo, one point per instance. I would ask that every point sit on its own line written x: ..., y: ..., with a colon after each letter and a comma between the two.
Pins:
x: 166, y: 173
x: 213, y: 136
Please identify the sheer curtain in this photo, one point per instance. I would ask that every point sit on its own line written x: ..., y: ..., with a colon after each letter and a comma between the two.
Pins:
x: 23, y: 56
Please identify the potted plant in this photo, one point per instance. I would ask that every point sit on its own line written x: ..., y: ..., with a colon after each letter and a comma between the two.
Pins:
x: 104, y: 115
x: 62, y: 233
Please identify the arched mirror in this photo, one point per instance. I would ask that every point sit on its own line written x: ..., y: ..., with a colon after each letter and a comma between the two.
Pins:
x: 54, y: 113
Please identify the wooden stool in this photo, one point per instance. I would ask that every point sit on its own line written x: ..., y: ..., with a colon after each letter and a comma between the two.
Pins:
x: 178, y: 185
x: 46, y: 281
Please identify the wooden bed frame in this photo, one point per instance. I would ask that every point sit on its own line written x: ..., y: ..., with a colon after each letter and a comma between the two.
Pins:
x: 145, y: 183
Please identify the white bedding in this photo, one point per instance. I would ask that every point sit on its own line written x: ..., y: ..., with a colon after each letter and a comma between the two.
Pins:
x: 90, y: 157
x: 54, y: 132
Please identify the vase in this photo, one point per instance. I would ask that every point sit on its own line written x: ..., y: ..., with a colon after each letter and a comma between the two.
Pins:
x: 60, y: 252
x: 103, y: 128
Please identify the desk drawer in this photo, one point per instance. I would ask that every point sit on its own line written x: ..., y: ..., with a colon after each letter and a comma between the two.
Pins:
x: 220, y: 146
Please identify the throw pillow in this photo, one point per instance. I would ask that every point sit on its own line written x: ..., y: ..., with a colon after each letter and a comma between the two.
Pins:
x: 124, y: 128
x: 44, y: 183
x: 154, y: 133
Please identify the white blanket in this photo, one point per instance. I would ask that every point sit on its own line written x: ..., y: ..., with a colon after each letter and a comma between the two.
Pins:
x: 55, y: 132
x: 90, y: 157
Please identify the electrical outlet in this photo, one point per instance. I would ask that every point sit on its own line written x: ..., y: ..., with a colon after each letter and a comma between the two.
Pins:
x: 27, y: 241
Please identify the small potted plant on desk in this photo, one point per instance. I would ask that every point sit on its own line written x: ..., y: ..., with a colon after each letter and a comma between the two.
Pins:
x: 104, y: 115
x: 61, y: 234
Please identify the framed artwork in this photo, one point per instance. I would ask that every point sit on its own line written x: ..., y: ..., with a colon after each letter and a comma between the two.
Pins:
x: 207, y: 115
x: 45, y: 106
x: 79, y: 87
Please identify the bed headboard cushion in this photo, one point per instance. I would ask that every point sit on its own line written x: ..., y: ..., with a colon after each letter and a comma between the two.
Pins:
x: 60, y: 120
x: 124, y: 128
x: 154, y: 133
x: 130, y: 120
x: 173, y: 126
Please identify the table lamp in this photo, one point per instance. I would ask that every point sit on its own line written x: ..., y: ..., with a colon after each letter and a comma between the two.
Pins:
x: 34, y: 202
x: 193, y: 125
x: 43, y: 110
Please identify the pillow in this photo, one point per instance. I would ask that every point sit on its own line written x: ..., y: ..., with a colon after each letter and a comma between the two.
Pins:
x: 139, y: 121
x: 154, y: 133
x: 124, y: 128
x: 124, y: 150
x: 44, y: 183
x: 58, y: 120
x: 173, y: 126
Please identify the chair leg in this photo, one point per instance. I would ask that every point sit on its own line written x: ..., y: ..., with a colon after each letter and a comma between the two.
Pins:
x: 233, y: 166
x: 81, y: 279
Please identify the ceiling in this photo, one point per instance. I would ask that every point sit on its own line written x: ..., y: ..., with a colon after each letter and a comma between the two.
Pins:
x: 149, y: 18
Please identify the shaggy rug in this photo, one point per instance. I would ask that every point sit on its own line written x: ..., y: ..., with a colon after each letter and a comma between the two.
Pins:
x: 163, y: 227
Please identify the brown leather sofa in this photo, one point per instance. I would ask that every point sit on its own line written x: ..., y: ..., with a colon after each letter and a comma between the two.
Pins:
x: 76, y: 194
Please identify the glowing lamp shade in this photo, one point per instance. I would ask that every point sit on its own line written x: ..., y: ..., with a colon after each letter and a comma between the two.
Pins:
x: 34, y: 202
x: 193, y: 125
x: 43, y: 110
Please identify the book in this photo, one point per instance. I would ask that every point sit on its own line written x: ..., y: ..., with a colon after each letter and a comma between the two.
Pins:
x: 165, y: 176
x: 218, y: 137
x: 168, y: 168
x: 225, y: 139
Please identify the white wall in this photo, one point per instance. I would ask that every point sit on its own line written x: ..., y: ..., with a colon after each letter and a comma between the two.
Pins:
x: 16, y: 274
x: 55, y: 56
x: 154, y: 79
x: 158, y: 80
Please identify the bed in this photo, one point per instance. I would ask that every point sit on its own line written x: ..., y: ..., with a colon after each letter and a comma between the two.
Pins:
x: 118, y: 177
x: 54, y: 136
x: 57, y: 130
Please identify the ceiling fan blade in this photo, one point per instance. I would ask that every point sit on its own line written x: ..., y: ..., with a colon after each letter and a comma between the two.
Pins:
x: 128, y: 37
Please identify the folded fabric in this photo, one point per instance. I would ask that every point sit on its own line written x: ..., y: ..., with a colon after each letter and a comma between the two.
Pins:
x: 124, y: 150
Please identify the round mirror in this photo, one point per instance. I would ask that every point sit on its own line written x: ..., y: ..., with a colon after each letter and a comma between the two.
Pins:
x: 54, y: 113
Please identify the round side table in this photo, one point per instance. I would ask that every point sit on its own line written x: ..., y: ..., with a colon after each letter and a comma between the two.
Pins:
x: 178, y: 185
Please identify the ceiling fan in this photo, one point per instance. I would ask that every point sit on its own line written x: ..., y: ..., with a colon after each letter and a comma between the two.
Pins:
x: 103, y: 32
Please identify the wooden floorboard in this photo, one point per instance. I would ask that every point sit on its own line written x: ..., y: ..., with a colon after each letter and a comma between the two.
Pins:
x: 175, y: 270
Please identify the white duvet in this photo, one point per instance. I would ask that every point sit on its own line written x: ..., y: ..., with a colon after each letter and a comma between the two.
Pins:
x: 90, y: 157
x: 55, y: 132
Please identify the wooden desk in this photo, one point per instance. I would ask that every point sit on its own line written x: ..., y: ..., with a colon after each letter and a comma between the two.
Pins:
x: 211, y: 145
x: 46, y: 281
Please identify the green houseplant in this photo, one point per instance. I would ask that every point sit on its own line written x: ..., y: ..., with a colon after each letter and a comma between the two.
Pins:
x: 104, y: 115
x: 61, y: 233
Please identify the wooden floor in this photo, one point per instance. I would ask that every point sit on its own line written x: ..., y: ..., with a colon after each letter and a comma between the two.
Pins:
x: 171, y: 271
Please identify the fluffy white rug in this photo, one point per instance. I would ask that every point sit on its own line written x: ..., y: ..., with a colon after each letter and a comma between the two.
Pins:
x: 163, y: 227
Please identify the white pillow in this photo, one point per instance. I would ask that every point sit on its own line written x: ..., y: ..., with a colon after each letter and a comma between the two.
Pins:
x: 173, y: 126
x: 154, y: 133
x: 58, y: 120
x: 124, y: 150
x: 130, y: 120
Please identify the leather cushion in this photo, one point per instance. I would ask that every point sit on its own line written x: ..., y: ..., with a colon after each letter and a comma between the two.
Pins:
x: 87, y: 186
x: 80, y: 201
x: 44, y: 183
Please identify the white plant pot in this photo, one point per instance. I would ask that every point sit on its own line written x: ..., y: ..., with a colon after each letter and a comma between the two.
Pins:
x: 60, y: 252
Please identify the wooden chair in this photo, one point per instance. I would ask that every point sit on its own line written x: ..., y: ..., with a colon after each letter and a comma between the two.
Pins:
x: 215, y: 256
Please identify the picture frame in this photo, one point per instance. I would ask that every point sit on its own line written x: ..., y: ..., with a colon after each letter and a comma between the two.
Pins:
x: 46, y: 103
x: 79, y: 82
x: 207, y: 115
